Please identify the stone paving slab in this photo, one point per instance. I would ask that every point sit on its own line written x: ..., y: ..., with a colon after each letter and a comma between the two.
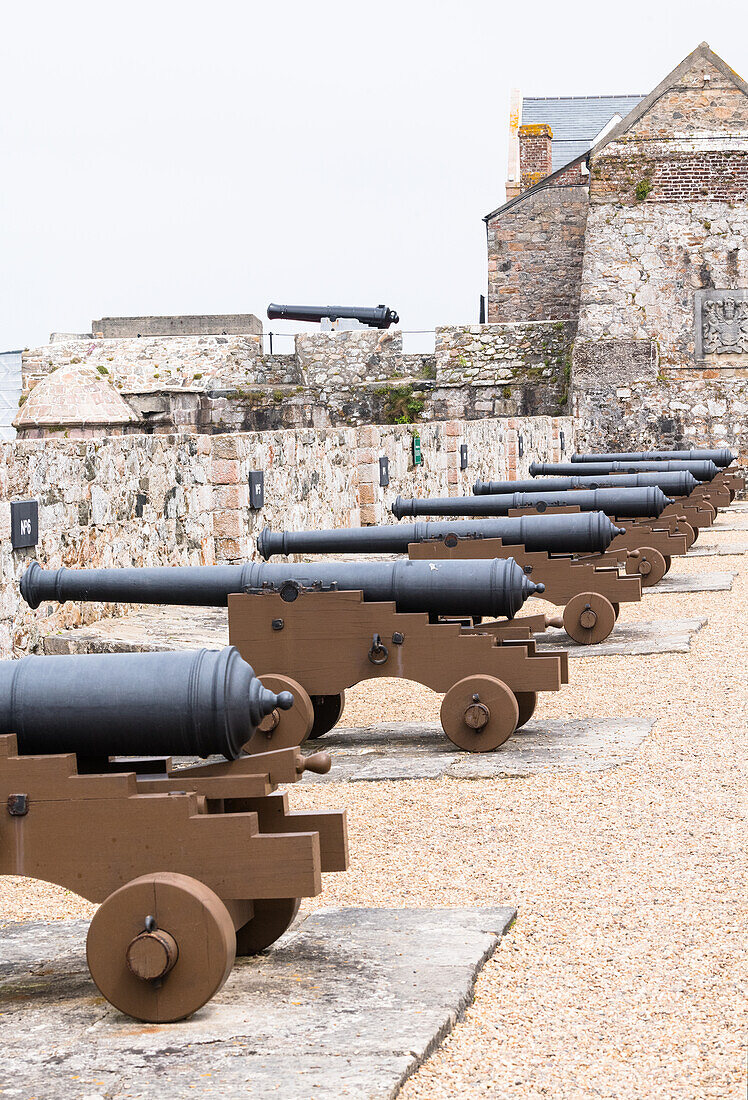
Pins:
x: 691, y: 582
x: 713, y: 551
x: 420, y: 750
x: 629, y: 639
x: 735, y: 522
x: 148, y: 628
x: 347, y: 1004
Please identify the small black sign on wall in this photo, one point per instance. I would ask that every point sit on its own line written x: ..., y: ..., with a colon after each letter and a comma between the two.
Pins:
x: 256, y: 489
x: 24, y: 523
x: 384, y: 471
x: 463, y: 456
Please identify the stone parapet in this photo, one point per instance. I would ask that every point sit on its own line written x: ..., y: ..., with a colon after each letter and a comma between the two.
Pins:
x: 183, y: 499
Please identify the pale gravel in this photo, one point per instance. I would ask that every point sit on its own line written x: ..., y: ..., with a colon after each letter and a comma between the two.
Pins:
x: 624, y: 975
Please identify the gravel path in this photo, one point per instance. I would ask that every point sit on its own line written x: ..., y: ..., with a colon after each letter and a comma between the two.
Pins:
x: 624, y: 975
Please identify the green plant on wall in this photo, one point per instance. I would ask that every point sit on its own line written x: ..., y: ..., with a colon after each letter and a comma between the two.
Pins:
x: 642, y: 189
x: 401, y: 404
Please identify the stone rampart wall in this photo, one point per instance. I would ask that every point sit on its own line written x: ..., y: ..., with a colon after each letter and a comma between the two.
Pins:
x: 184, y: 500
x: 538, y: 351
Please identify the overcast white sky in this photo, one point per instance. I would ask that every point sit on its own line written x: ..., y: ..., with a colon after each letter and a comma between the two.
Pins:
x: 213, y: 157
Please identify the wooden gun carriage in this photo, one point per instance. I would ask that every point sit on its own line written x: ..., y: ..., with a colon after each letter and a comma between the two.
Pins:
x: 328, y: 640
x: 192, y: 866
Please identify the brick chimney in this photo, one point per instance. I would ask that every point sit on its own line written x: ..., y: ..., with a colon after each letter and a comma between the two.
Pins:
x: 534, y: 154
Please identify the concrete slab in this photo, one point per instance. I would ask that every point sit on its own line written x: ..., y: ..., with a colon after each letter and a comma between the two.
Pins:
x: 347, y: 1004
x: 729, y: 550
x: 420, y: 750
x: 629, y: 639
x: 691, y: 582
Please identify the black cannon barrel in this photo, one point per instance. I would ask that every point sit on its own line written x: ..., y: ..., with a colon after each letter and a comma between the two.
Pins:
x: 676, y: 483
x: 625, y: 503
x: 489, y: 587
x: 587, y: 532
x: 375, y: 316
x: 702, y: 471
x: 189, y: 703
x: 720, y: 457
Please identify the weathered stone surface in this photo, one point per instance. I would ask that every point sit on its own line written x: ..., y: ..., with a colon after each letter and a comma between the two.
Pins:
x: 535, y: 253
x: 224, y: 324
x: 726, y: 551
x: 630, y: 639
x: 348, y: 1003
x: 691, y: 582
x: 74, y: 397
x: 421, y: 750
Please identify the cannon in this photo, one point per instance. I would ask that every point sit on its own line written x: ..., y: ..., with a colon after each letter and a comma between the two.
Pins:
x: 494, y: 588
x: 723, y: 457
x: 374, y: 316
x: 586, y: 532
x: 673, y: 484
x: 696, y: 500
x: 315, y: 630
x: 623, y: 503
x: 590, y: 592
x: 701, y: 470
x: 194, y: 703
x: 732, y: 480
x: 711, y: 494
x: 192, y: 866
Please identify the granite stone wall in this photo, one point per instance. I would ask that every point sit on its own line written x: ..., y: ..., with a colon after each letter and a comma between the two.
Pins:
x: 690, y: 410
x: 184, y: 500
x: 535, y: 250
x: 504, y: 354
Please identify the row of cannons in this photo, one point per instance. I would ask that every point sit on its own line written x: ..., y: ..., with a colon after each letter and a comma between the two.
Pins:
x: 198, y: 862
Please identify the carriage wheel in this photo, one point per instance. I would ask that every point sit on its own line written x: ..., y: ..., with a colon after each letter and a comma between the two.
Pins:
x: 271, y: 918
x: 479, y: 713
x: 650, y: 565
x: 617, y: 609
x: 526, y: 701
x: 668, y: 562
x: 589, y: 617
x: 685, y: 528
x: 283, y: 729
x: 160, y: 947
x: 328, y: 710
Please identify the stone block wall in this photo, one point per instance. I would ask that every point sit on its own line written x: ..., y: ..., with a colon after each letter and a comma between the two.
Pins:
x: 538, y: 352
x: 535, y: 251
x: 183, y: 499
x: 690, y: 410
x: 142, y: 365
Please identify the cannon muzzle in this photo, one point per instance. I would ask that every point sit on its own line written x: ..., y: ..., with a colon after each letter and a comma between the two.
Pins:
x: 678, y: 483
x: 375, y: 316
x: 722, y: 457
x: 189, y: 703
x: 587, y: 532
x: 625, y: 503
x: 702, y: 471
x: 492, y: 587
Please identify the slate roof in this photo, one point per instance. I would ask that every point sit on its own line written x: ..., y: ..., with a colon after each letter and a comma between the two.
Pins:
x: 575, y: 120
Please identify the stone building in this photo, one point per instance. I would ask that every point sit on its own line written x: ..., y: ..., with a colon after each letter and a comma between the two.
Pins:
x: 638, y: 240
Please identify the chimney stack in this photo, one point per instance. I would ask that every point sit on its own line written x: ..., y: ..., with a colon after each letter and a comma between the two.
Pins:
x: 534, y: 154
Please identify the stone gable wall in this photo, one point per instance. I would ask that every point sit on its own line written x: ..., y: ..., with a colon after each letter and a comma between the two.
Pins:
x: 535, y: 252
x: 183, y: 499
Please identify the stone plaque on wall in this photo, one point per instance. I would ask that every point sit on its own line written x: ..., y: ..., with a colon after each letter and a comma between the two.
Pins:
x: 721, y: 323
